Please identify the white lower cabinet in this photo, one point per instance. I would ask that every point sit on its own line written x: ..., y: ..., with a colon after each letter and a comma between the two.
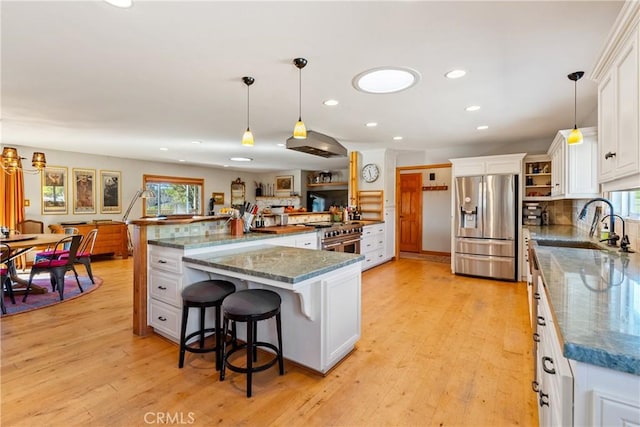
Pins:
x: 555, y: 395
x: 372, y: 245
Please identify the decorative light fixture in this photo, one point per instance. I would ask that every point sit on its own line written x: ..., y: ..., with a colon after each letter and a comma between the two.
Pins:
x: 575, y: 137
x: 300, y: 130
x: 12, y: 162
x: 247, y: 137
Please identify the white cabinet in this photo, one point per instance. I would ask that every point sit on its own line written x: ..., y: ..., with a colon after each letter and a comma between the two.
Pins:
x: 555, y: 395
x: 617, y: 73
x: 372, y: 245
x: 574, y: 167
x: 503, y: 164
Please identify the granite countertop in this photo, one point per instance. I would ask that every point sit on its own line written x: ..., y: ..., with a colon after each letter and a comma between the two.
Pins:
x: 279, y: 263
x: 193, y: 242
x: 595, y: 299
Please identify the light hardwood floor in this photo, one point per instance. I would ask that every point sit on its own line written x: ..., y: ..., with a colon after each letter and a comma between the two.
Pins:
x: 436, y: 350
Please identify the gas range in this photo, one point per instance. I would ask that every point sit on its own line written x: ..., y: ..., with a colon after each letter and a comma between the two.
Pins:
x: 339, y: 236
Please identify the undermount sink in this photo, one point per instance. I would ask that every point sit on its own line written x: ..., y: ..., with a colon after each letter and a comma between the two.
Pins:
x: 569, y: 244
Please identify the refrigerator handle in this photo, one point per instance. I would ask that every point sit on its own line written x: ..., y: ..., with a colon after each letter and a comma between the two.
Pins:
x: 469, y: 216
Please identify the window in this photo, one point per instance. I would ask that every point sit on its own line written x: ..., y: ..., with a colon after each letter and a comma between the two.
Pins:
x: 626, y: 203
x: 174, y: 196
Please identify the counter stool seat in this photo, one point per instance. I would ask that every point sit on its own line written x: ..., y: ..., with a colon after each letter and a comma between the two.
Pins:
x: 202, y: 295
x: 250, y: 306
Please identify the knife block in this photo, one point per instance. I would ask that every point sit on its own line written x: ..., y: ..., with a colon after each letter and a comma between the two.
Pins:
x: 237, y: 227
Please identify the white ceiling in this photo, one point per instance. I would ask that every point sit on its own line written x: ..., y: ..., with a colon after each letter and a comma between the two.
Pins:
x: 87, y: 77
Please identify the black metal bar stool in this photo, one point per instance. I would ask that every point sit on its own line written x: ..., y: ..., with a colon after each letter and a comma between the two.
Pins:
x: 250, y: 306
x: 204, y: 294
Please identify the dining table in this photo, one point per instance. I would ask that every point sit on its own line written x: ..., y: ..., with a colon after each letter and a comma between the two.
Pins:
x: 20, y: 244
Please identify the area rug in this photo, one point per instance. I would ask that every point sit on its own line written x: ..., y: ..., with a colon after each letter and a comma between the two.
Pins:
x: 36, y: 301
x: 426, y: 257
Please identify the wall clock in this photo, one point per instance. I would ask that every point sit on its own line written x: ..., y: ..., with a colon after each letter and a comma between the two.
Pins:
x: 370, y: 172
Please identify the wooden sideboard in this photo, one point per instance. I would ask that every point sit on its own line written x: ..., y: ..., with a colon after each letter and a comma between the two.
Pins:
x: 111, y: 239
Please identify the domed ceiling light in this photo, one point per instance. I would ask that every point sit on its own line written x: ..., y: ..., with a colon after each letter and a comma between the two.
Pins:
x: 575, y: 137
x: 386, y: 80
x: 247, y: 138
x: 300, y: 130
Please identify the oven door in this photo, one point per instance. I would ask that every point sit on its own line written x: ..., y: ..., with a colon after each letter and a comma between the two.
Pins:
x: 350, y: 245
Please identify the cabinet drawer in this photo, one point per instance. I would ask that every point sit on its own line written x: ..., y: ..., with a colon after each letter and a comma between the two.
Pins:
x: 165, y: 318
x: 166, y: 287
x: 166, y: 260
x: 371, y: 243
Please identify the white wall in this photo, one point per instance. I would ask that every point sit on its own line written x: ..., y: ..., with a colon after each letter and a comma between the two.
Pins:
x: 216, y: 180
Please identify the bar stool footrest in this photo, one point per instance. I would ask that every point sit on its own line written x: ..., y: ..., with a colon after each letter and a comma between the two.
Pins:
x: 188, y: 346
x: 254, y: 368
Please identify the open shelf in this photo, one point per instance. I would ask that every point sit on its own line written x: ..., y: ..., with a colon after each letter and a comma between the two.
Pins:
x: 328, y: 184
x: 371, y: 204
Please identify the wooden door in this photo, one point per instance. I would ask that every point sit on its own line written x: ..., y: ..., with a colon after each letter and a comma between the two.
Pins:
x: 410, y: 212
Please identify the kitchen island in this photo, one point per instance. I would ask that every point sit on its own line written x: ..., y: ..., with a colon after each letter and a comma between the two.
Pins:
x: 320, y: 291
x: 593, y: 297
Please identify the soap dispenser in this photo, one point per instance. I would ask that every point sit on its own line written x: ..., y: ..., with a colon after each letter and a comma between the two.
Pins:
x: 604, y: 233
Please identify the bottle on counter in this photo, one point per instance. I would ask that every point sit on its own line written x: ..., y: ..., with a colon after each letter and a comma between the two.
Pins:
x: 604, y: 233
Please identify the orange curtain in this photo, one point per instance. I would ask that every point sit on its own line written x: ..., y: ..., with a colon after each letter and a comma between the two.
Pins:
x: 12, y: 196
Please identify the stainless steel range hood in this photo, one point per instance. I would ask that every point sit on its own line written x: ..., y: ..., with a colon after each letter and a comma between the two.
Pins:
x: 317, y: 144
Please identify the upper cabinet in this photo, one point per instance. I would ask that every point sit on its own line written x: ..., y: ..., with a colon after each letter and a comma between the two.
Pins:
x: 617, y: 73
x: 574, y: 167
x: 488, y: 165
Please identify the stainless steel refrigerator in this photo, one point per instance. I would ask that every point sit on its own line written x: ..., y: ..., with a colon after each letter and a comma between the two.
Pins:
x: 486, y: 226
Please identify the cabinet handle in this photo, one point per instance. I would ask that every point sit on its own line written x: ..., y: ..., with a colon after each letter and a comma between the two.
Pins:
x: 541, y: 321
x: 550, y: 370
x: 536, y: 337
x: 535, y: 386
x: 536, y: 295
x: 162, y: 288
x: 557, y: 185
x: 544, y: 399
x: 162, y: 318
x: 161, y: 261
x: 609, y: 155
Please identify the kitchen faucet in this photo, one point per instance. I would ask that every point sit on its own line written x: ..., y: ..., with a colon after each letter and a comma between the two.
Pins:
x: 624, y: 243
x: 613, y: 237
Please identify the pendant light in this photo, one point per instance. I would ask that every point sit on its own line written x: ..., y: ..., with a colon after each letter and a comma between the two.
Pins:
x: 575, y: 137
x: 247, y: 138
x: 300, y: 130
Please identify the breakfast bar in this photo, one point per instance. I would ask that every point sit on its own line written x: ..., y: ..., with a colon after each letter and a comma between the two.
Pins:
x: 320, y: 294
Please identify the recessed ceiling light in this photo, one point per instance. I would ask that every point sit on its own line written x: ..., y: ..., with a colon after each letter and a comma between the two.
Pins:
x: 241, y: 159
x: 472, y: 108
x: 386, y: 80
x: 371, y: 124
x: 397, y: 138
x: 196, y: 142
x: 164, y: 149
x: 455, y: 74
x: 280, y: 144
x: 120, y: 3
x: 182, y: 160
x: 331, y: 102
x: 483, y: 127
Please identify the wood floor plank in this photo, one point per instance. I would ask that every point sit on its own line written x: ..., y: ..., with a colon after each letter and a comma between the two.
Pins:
x: 436, y: 350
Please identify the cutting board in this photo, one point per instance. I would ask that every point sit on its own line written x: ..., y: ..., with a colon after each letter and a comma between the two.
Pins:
x: 281, y: 229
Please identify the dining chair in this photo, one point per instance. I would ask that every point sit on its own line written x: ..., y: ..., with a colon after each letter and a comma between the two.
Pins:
x: 84, y: 252
x: 30, y: 226
x: 47, y: 253
x: 5, y: 277
x: 57, y: 267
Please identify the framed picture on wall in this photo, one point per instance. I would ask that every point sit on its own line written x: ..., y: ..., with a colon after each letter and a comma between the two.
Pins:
x: 218, y: 198
x: 284, y: 184
x: 84, y: 191
x: 110, y: 192
x: 54, y: 190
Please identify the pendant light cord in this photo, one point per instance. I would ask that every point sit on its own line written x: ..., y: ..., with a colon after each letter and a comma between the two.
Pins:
x: 247, y: 106
x: 300, y: 94
x: 575, y: 103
